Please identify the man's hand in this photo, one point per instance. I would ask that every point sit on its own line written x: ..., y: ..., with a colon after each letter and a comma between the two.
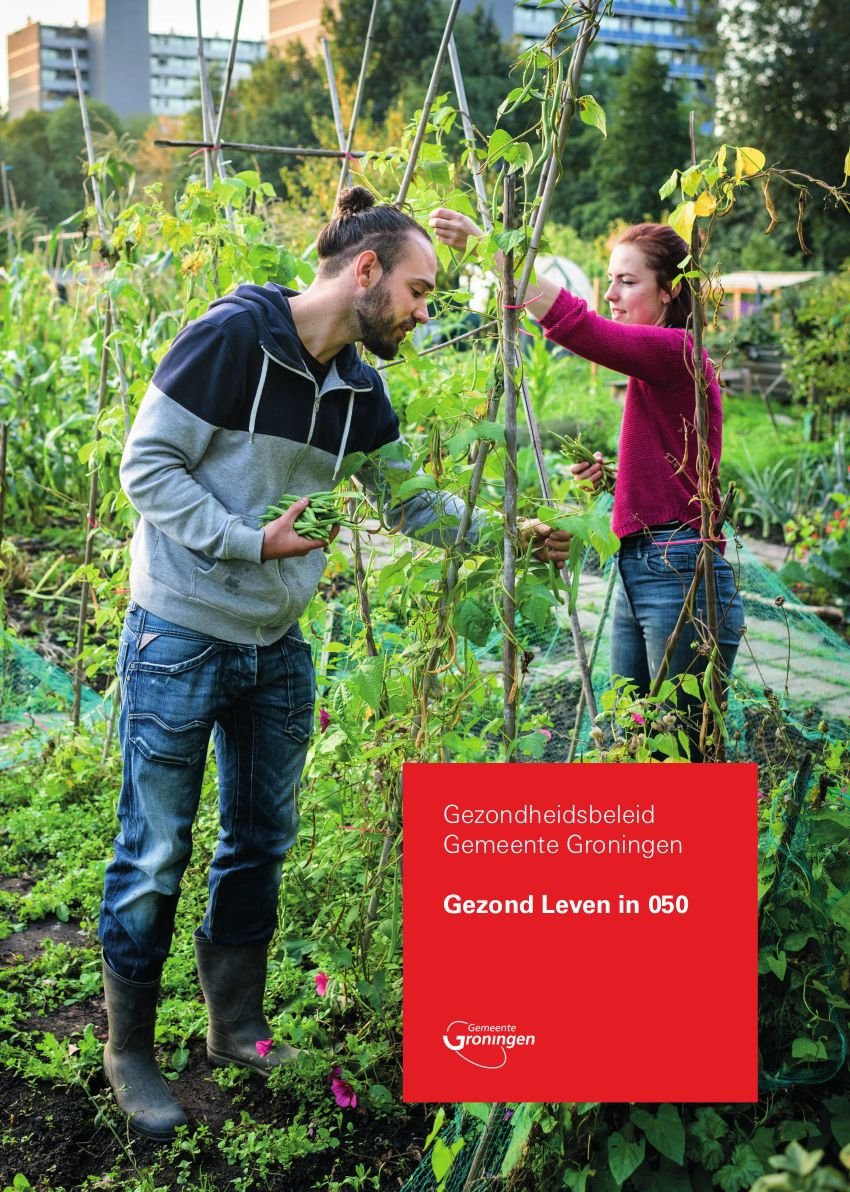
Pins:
x: 548, y: 545
x: 281, y: 541
x: 452, y: 228
x: 589, y: 475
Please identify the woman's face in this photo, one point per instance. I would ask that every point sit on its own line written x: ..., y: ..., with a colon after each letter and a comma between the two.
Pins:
x: 633, y: 293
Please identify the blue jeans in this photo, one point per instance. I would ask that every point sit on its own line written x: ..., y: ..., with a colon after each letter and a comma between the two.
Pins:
x: 656, y: 569
x: 178, y: 687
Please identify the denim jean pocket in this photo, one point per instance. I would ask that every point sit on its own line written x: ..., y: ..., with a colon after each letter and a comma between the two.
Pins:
x: 674, y: 561
x: 170, y: 687
x: 300, y: 686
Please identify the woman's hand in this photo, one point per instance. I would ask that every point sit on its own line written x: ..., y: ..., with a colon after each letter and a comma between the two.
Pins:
x: 547, y: 545
x: 589, y: 475
x: 452, y: 228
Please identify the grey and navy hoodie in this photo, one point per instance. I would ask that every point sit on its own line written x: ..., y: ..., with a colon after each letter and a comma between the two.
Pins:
x: 234, y: 418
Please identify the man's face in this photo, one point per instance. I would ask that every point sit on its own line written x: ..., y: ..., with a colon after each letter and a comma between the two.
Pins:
x: 388, y: 310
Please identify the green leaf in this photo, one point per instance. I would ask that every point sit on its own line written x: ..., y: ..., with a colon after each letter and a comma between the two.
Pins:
x: 808, y: 1049
x: 477, y: 1109
x: 439, y: 1122
x: 423, y: 482
x: 474, y: 621
x: 441, y: 1159
x: 664, y: 1131
x: 795, y: 941
x: 778, y: 965
x: 669, y: 186
x: 379, y: 1094
x: 592, y: 113
x: 497, y: 144
x: 739, y: 1173
x: 367, y: 681
x: 838, y: 1109
x: 250, y: 177
x: 624, y: 1157
x: 508, y: 241
x: 521, y: 1123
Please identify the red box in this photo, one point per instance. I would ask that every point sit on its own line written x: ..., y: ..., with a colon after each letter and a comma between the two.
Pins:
x: 580, y: 932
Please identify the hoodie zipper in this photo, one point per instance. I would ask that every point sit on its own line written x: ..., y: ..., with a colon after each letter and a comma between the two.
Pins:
x: 316, y: 403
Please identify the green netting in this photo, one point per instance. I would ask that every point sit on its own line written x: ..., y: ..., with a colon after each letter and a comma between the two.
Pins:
x: 483, y: 1148
x: 804, y: 666
x: 36, y: 697
x: 787, y: 651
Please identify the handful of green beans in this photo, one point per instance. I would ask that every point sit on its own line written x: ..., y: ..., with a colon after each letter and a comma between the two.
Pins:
x: 577, y: 453
x: 318, y: 519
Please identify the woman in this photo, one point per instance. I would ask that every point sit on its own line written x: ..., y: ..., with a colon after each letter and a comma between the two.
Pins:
x: 656, y: 509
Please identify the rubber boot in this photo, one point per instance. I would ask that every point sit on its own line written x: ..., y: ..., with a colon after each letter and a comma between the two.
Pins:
x: 128, y: 1058
x: 233, y: 982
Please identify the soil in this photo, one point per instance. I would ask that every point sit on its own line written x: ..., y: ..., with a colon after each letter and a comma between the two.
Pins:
x: 60, y: 1135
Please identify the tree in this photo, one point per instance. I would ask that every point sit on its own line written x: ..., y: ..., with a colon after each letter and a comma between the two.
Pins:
x: 46, y: 151
x: 785, y: 89
x: 406, y: 39
x: 618, y: 177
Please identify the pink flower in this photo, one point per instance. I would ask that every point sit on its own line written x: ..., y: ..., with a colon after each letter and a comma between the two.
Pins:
x: 544, y: 732
x: 637, y: 718
x: 344, y: 1094
x: 321, y: 980
x: 264, y: 1046
x: 324, y: 720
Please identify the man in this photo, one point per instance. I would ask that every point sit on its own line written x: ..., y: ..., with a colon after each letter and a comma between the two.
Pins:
x: 264, y: 393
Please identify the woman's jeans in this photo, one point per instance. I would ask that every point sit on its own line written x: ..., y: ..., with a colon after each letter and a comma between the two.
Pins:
x: 656, y: 569
x: 178, y: 687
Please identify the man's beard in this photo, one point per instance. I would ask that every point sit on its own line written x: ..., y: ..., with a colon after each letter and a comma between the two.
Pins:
x: 379, y: 332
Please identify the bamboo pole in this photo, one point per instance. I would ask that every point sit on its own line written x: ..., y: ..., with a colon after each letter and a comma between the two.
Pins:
x: 225, y: 90
x: 469, y: 134
x: 206, y: 101
x: 510, y: 330
x: 345, y: 172
x: 91, y: 518
x: 427, y: 104
x: 104, y: 235
x: 282, y: 150
x: 335, y: 108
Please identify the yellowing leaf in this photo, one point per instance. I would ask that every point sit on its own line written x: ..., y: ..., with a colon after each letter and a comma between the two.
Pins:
x: 847, y: 165
x: 752, y: 160
x: 705, y: 204
x: 592, y: 113
x: 721, y: 159
x: 682, y: 220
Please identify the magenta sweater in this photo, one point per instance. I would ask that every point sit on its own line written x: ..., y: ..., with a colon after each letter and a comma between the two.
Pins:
x: 657, y: 433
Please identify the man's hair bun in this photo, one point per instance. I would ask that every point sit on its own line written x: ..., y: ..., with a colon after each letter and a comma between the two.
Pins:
x: 353, y: 200
x: 359, y: 223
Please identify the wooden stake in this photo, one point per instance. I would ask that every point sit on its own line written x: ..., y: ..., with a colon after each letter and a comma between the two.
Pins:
x: 282, y: 150
x: 510, y: 331
x: 91, y: 518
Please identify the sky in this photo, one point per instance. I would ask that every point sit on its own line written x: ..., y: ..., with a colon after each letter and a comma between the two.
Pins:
x: 166, y: 16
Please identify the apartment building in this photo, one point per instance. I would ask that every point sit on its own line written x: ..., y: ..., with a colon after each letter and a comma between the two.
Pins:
x: 121, y: 62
